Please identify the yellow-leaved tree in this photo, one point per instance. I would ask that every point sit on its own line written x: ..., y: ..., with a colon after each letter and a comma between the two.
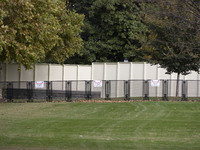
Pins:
x: 34, y: 30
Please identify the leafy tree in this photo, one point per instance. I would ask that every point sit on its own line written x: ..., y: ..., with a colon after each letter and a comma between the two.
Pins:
x: 174, y: 39
x: 35, y: 29
x: 113, y: 30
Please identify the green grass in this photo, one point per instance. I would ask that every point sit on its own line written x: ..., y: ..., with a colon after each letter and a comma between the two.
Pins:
x: 100, y: 126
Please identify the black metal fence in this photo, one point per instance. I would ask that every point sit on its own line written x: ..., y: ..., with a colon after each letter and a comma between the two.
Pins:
x: 109, y: 89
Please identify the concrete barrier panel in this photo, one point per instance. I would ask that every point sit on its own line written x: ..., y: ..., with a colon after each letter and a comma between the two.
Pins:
x: 70, y: 72
x: 162, y: 74
x: 56, y: 72
x: 12, y: 73
x: 27, y: 75
x: 98, y: 71
x: 124, y: 71
x: 137, y: 71
x: 41, y: 72
x: 151, y: 72
x: 111, y: 71
x: 84, y: 72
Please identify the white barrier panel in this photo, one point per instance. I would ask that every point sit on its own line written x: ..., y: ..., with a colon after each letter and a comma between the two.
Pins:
x: 42, y: 72
x: 96, y: 71
x: 124, y: 71
x: 55, y: 72
x: 12, y: 72
x: 84, y: 72
x: 70, y: 72
x: 26, y: 75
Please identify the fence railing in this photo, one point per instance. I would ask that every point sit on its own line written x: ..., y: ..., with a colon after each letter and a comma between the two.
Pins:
x: 106, y: 89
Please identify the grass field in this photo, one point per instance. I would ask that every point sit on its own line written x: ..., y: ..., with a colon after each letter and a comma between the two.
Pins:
x: 100, y: 126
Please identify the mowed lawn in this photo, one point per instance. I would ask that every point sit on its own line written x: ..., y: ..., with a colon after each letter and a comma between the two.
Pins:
x: 100, y: 126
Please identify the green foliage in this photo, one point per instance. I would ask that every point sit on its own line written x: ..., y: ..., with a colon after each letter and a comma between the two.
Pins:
x: 173, y: 42
x: 113, y: 30
x: 32, y: 30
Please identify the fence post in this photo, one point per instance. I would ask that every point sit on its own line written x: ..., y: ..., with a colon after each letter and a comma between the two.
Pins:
x: 9, y: 91
x: 127, y: 90
x: 88, y: 90
x: 184, y: 90
x: 68, y: 91
x: 165, y: 90
x: 146, y: 90
x: 29, y: 86
x: 107, y: 90
x: 49, y: 91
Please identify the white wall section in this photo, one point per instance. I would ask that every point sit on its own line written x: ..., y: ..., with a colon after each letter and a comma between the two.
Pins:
x: 96, y: 71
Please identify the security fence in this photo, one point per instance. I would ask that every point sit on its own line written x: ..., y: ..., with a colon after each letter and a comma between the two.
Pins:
x: 100, y: 89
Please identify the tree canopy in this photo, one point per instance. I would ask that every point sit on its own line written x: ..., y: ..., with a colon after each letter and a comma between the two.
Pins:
x: 113, y: 30
x: 174, y: 39
x: 33, y: 30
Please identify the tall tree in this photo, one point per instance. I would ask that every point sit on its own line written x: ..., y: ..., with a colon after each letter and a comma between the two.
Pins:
x: 174, y: 39
x: 35, y: 29
x: 113, y: 30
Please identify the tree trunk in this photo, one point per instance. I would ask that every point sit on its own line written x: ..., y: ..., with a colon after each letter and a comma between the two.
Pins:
x: 177, y: 84
x: 1, y: 64
x: 1, y: 95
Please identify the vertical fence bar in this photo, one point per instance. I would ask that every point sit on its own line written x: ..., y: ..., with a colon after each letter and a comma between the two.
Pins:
x: 29, y: 86
x: 68, y: 91
x: 49, y: 91
x: 88, y: 91
x: 184, y: 90
x: 9, y: 91
x: 127, y: 90
x: 107, y: 90
x: 165, y: 90
x: 146, y: 90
